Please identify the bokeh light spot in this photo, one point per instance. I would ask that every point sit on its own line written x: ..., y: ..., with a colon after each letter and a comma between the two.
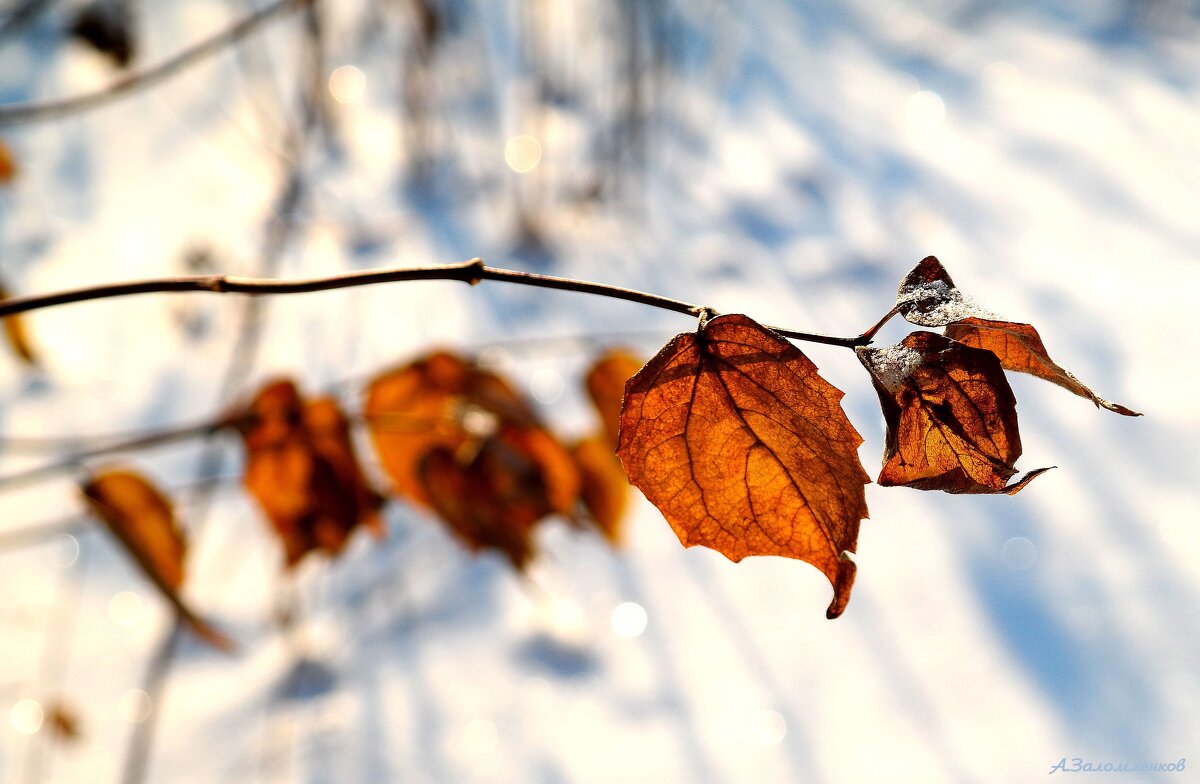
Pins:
x: 1002, y: 79
x: 125, y: 609
x: 347, y: 84
x: 522, y: 153
x: 924, y: 111
x: 66, y: 550
x: 134, y: 706
x: 479, y: 736
x: 629, y: 619
x: 1018, y: 553
x: 769, y: 727
x: 26, y: 716
x: 546, y: 386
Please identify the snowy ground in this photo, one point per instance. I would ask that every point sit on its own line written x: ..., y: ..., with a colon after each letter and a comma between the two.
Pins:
x: 799, y: 159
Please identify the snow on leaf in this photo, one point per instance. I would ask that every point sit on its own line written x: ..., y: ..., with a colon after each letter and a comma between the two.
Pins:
x: 928, y: 297
x: 951, y: 421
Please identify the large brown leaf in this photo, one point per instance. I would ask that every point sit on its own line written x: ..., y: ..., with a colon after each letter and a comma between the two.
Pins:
x: 301, y: 470
x: 1020, y: 348
x: 744, y: 448
x: 951, y: 416
x: 928, y: 297
x: 439, y: 400
x: 143, y: 521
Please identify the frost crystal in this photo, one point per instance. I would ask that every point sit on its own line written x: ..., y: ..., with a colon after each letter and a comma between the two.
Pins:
x: 935, y: 304
x: 892, y: 365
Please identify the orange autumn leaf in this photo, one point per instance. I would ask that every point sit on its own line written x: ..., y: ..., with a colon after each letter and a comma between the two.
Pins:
x: 143, y: 521
x: 951, y: 416
x: 605, y: 382
x: 463, y: 502
x: 439, y: 400
x: 734, y: 436
x: 1020, y: 348
x: 492, y: 497
x: 8, y: 164
x: 15, y: 332
x: 604, y: 489
x: 301, y: 470
x: 329, y: 431
x: 63, y: 722
x: 928, y: 297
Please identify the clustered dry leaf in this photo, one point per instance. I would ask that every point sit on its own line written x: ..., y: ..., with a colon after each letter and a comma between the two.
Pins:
x: 729, y: 430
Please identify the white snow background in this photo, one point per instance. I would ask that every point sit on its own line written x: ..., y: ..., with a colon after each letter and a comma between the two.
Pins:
x: 796, y: 160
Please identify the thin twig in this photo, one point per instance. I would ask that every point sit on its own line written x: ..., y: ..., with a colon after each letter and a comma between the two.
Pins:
x: 154, y: 684
x: 38, y: 473
x: 38, y: 534
x: 13, y: 114
x: 472, y: 271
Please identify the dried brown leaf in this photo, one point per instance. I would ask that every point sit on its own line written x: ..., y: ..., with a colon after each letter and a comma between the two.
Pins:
x: 492, y: 497
x: 951, y: 416
x: 143, y: 521
x: 301, y: 469
x: 16, y: 334
x: 8, y: 164
x: 107, y: 27
x: 329, y: 431
x: 63, y: 722
x: 605, y: 382
x: 1020, y: 348
x: 928, y: 297
x: 734, y: 436
x: 439, y: 400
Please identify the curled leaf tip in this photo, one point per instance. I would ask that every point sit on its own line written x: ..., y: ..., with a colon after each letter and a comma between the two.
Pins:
x: 1017, y: 487
x: 1019, y: 348
x: 844, y: 582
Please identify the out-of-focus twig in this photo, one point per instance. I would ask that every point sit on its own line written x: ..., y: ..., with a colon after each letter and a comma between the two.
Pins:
x: 13, y: 114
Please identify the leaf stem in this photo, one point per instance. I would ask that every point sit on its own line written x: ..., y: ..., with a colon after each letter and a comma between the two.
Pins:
x: 870, y: 333
x: 472, y: 271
